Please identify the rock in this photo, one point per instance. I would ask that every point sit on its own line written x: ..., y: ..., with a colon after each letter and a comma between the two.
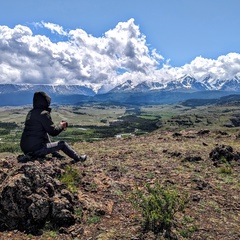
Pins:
x: 192, y: 159
x: 196, y: 197
x: 177, y: 135
x: 200, y: 184
x: 30, y: 196
x: 223, y: 153
x: 173, y: 154
x: 203, y: 132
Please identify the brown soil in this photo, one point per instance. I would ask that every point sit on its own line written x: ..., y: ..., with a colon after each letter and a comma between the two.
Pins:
x: 116, y: 166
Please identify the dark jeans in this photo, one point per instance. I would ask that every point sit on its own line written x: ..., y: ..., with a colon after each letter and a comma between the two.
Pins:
x: 54, y: 147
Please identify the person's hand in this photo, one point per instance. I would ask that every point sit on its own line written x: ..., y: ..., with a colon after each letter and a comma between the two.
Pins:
x: 64, y: 124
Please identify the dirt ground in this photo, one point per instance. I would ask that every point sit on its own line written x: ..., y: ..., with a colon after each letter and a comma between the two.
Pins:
x: 115, y: 166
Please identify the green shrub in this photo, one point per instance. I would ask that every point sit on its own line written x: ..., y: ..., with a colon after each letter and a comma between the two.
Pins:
x: 189, y: 227
x: 225, y: 170
x: 4, y: 131
x: 187, y: 233
x: 158, y: 206
x: 93, y: 219
x: 71, y: 177
x: 9, y: 147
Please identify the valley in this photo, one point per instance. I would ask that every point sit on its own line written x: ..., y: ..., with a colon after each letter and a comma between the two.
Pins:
x: 88, y: 122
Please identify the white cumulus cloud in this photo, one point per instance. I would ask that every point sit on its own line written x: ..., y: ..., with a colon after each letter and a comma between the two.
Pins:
x: 54, y: 28
x: 122, y: 53
x: 225, y: 67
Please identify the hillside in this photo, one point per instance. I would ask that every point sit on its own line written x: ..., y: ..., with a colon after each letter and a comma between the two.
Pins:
x: 174, y: 159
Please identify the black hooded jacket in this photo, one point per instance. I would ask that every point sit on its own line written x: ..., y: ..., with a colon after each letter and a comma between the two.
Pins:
x: 38, y: 124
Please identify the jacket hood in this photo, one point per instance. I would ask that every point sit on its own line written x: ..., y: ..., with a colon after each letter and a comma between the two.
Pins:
x: 41, y: 100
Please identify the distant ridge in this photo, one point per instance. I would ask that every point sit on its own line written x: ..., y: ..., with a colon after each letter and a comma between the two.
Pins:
x: 51, y: 89
x: 129, y: 92
x: 22, y: 94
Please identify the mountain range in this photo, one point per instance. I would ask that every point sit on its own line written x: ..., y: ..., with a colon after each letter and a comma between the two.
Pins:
x: 129, y: 92
x: 184, y: 83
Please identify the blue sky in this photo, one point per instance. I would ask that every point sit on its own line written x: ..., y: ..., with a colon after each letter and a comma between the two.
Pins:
x: 178, y: 30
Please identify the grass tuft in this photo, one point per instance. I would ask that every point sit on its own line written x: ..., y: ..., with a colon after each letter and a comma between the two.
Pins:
x: 72, y: 178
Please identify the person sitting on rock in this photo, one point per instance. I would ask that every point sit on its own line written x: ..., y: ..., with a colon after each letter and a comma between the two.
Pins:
x: 38, y: 126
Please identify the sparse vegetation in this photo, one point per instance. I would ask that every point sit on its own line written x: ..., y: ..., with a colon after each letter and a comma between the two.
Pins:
x: 226, y: 170
x: 115, y: 166
x: 158, y: 206
x: 71, y: 177
x: 93, y: 219
x: 10, y: 147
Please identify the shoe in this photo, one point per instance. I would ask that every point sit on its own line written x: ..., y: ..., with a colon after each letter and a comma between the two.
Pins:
x: 58, y: 155
x: 24, y: 158
x: 81, y: 158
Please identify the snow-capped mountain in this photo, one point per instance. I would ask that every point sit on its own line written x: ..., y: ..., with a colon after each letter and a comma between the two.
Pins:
x: 184, y: 83
x: 50, y: 89
x: 144, y: 86
x: 124, y: 87
x: 186, y: 87
x: 233, y: 85
x: 21, y: 94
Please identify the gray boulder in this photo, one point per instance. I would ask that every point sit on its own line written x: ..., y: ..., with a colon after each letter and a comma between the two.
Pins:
x: 31, y: 196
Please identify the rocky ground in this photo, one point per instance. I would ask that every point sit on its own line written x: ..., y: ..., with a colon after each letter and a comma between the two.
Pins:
x: 202, y: 165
